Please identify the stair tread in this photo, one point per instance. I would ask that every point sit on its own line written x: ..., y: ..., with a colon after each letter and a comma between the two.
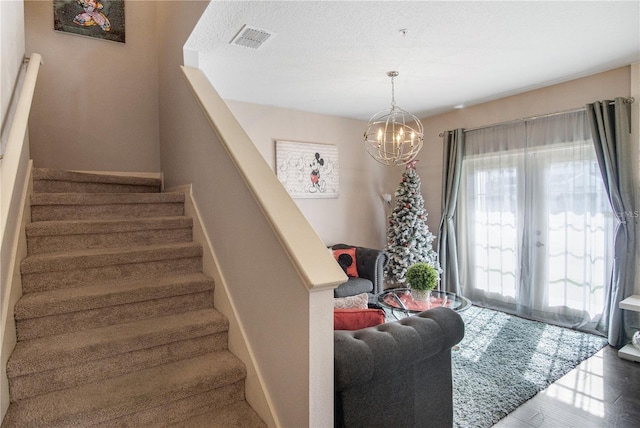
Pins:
x: 61, y: 350
x: 64, y: 300
x: 104, y: 198
x: 95, y: 226
x: 90, y: 177
x: 97, y: 257
x: 238, y: 414
x: 126, y: 394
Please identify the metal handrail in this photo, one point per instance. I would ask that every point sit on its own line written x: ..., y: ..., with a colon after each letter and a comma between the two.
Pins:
x: 23, y: 107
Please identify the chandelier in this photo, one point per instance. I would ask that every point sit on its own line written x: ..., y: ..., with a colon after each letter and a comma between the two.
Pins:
x: 393, y: 136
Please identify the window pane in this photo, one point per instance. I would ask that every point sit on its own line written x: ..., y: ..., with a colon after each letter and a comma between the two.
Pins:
x: 494, y: 230
x: 579, y: 236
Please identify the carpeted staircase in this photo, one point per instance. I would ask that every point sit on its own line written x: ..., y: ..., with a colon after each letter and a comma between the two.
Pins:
x: 116, y: 325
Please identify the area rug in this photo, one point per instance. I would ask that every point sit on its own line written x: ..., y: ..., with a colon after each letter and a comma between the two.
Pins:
x: 505, y: 360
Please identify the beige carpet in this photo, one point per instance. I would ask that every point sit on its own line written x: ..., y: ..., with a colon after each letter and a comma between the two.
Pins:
x: 116, y: 325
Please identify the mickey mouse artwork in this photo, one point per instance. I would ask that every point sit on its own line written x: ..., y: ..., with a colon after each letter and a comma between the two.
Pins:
x: 308, y: 170
x: 316, y: 183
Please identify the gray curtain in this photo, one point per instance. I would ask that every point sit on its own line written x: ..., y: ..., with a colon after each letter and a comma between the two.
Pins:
x: 610, y: 128
x: 447, y: 246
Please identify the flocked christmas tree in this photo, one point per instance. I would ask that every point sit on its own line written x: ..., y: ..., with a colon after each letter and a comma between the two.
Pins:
x: 408, y: 237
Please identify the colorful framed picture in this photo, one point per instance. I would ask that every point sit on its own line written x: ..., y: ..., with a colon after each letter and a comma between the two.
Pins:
x: 308, y: 170
x: 102, y: 19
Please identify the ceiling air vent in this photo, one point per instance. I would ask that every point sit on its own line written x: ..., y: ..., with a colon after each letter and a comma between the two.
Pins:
x: 250, y: 37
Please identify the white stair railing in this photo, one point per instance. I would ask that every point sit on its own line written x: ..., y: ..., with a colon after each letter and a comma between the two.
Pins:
x: 279, y: 275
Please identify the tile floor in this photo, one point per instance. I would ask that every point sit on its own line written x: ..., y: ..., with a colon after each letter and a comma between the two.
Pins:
x: 603, y: 391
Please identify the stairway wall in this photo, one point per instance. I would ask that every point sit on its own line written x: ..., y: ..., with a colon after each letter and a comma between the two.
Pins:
x: 96, y: 104
x: 256, y: 263
x: 294, y: 349
x: 191, y: 153
x: 255, y: 391
x: 12, y: 53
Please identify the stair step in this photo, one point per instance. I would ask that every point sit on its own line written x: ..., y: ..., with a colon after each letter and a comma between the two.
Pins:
x: 57, y: 181
x: 50, y: 271
x: 238, y: 414
x: 223, y: 401
x: 66, y: 235
x: 64, y: 310
x: 85, y: 206
x: 55, y: 362
x: 72, y: 348
x: 65, y: 300
x: 84, y: 320
x: 140, y: 391
x: 71, y: 376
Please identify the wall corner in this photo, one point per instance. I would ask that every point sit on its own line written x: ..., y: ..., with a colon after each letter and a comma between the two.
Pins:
x: 635, y: 141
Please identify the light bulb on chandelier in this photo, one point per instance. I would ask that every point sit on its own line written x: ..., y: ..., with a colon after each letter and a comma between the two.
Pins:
x: 393, y: 136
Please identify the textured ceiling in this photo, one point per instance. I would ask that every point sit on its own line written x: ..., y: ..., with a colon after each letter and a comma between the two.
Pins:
x: 331, y: 57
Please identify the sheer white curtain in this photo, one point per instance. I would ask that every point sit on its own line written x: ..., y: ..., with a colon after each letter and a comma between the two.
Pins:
x: 534, y: 223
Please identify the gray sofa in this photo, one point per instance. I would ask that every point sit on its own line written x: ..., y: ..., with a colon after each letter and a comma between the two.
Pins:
x: 370, y: 263
x: 397, y: 374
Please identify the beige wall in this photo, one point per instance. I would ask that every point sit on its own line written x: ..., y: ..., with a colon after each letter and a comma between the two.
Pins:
x: 11, y: 49
x: 564, y: 96
x: 96, y: 103
x: 358, y: 215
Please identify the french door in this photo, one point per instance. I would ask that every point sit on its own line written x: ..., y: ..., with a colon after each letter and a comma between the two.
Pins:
x: 535, y: 229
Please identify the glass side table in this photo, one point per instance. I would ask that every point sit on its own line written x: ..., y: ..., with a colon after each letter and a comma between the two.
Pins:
x: 399, y: 299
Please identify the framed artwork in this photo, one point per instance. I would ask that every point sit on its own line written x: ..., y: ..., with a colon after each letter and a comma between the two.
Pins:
x: 308, y: 170
x: 102, y: 19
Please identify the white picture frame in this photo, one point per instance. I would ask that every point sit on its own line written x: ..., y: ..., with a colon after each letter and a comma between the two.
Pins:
x: 308, y: 170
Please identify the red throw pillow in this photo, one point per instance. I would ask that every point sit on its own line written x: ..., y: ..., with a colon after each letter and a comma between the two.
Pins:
x: 346, y: 258
x: 355, y: 319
